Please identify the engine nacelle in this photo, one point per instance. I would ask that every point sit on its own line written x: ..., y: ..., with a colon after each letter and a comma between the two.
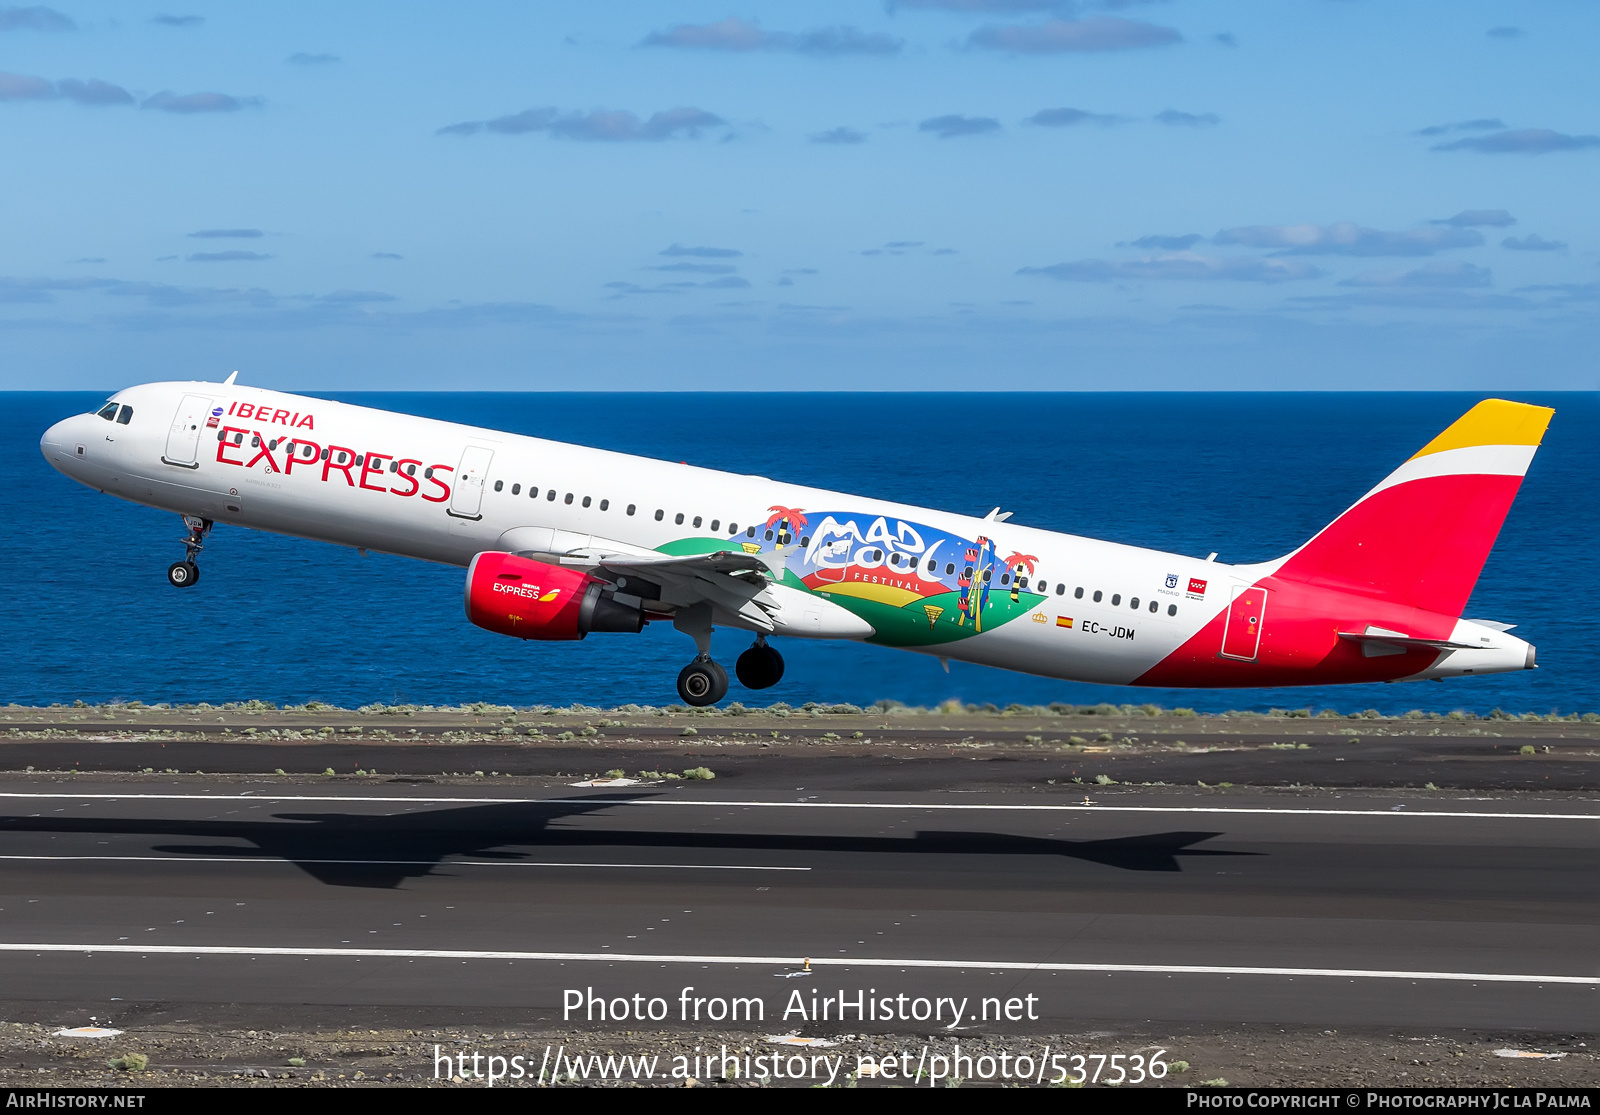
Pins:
x: 528, y: 599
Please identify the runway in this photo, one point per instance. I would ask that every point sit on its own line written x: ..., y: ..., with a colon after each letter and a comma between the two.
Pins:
x: 279, y: 898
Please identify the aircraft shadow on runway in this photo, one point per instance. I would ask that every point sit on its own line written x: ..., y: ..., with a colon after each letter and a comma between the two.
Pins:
x: 349, y: 849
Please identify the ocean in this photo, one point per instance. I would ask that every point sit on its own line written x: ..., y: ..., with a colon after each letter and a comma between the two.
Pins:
x: 89, y: 616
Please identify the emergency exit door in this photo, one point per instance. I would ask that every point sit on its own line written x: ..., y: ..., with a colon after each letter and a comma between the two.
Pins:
x: 1241, y: 636
x: 466, y: 495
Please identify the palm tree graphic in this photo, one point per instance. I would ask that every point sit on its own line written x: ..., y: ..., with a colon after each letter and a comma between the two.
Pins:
x: 1017, y: 563
x: 786, y: 518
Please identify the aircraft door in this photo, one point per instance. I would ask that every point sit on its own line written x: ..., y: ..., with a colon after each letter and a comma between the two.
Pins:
x: 1241, y: 635
x: 466, y: 499
x: 183, y: 440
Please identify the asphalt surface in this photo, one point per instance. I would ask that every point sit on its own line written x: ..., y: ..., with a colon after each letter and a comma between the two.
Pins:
x: 277, y: 899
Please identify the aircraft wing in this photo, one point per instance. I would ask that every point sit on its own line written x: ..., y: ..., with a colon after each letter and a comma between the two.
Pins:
x: 734, y: 583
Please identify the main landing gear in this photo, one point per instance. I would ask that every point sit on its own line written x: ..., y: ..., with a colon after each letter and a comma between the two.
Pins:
x: 760, y: 667
x: 702, y: 682
x: 186, y: 573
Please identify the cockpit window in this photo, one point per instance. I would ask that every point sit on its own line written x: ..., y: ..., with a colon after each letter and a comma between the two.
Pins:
x: 125, y: 415
x: 108, y: 412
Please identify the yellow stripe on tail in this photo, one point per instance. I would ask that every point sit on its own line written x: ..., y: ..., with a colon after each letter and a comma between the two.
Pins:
x: 1492, y: 422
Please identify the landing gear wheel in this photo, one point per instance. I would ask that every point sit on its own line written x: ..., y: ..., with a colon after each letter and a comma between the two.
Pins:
x: 183, y: 574
x: 760, y: 667
x: 702, y: 682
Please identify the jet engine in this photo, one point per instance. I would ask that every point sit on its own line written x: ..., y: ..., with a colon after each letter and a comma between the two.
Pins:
x: 528, y: 599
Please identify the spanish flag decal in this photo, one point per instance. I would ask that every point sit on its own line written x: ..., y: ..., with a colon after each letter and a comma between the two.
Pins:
x: 1063, y: 621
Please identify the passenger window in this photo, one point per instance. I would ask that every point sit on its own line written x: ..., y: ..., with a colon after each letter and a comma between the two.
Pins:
x: 550, y: 495
x: 697, y: 520
x: 108, y: 412
x: 499, y: 485
x: 733, y: 528
x: 125, y: 416
x: 894, y: 559
x: 533, y: 493
x: 987, y: 574
x: 949, y: 568
x: 660, y: 514
x: 678, y: 518
x: 769, y: 536
x: 1097, y: 595
x: 1061, y: 589
x: 394, y: 466
x: 586, y: 501
x: 411, y: 470
x: 255, y: 441
x: 1022, y: 582
x: 715, y: 523
x: 1116, y: 598
x: 516, y: 489
x: 568, y: 500
x: 1133, y: 603
x: 1005, y: 578
x: 1172, y: 609
x: 1155, y: 606
x: 605, y: 505
x: 750, y: 532
x: 632, y: 508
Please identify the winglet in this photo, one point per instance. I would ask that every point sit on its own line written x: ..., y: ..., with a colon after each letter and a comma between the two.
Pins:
x: 229, y: 381
x: 1492, y: 422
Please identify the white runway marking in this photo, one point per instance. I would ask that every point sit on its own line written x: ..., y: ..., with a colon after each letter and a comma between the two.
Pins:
x: 711, y: 803
x: 397, y: 862
x: 793, y: 962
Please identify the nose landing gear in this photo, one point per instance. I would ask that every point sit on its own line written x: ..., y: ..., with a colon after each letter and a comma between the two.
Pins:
x: 760, y: 667
x: 186, y: 573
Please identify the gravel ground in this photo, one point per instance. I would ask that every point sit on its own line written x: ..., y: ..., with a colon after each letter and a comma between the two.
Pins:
x: 187, y: 1056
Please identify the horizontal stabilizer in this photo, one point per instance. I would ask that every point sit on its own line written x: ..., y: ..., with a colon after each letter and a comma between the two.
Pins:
x: 1378, y: 641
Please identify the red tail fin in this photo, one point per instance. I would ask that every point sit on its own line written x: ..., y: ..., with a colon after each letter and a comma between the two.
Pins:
x: 1421, y: 537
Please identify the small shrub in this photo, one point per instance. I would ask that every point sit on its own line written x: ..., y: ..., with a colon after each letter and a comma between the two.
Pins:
x: 129, y: 1062
x: 1104, y: 780
x: 616, y: 774
x: 688, y: 732
x: 1527, y: 749
x: 1179, y: 1066
x: 703, y: 774
x: 297, y: 1062
x: 328, y: 773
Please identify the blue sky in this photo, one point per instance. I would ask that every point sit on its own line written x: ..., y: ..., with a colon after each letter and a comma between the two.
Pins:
x: 930, y: 194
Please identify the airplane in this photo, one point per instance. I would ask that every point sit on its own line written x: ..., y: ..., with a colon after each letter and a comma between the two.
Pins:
x: 561, y: 541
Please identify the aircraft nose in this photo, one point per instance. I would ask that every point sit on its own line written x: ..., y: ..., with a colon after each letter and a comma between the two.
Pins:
x: 54, y: 438
x: 60, y: 442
